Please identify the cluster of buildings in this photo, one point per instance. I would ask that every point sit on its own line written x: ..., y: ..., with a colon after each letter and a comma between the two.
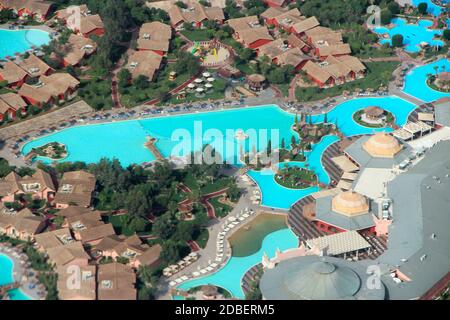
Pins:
x: 36, y: 84
x: 38, y: 10
x: 195, y: 14
x: 318, y: 51
x: 83, y: 240
x: 152, y: 45
x: 416, y: 261
x: 80, y: 20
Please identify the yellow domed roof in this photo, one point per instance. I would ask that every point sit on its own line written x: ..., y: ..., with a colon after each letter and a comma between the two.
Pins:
x: 382, y: 145
x: 350, y: 204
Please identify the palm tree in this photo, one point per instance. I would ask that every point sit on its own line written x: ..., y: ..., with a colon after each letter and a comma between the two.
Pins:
x: 436, y: 68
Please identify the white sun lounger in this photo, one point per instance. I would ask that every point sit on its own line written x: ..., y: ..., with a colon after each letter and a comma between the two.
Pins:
x: 172, y: 283
x: 203, y: 271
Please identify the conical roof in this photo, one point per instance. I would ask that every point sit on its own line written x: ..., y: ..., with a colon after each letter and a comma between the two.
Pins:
x: 350, y: 203
x: 382, y: 145
x: 322, y: 281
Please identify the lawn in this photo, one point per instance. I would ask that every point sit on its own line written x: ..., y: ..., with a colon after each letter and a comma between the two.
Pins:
x: 221, y: 209
x: 197, y: 34
x: 378, y: 74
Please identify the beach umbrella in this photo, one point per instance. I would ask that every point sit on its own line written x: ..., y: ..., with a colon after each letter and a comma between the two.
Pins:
x: 191, y: 86
x: 198, y: 80
x: 208, y: 85
x: 206, y: 74
x: 211, y: 79
x: 200, y: 89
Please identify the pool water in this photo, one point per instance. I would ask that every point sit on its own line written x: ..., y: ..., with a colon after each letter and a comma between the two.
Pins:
x: 19, y: 41
x: 416, y: 81
x: 432, y: 8
x: 248, y: 238
x: 6, y: 277
x: 229, y: 277
x: 413, y: 34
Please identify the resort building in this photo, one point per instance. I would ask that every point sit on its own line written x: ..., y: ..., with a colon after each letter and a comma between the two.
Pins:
x: 10, y: 104
x: 116, y: 281
x: 38, y: 10
x: 84, y: 289
x: 83, y: 221
x: 155, y: 36
x: 442, y: 112
x: 334, y: 70
x: 282, y: 18
x: 92, y: 232
x: 23, y: 225
x: 52, y: 89
x: 196, y: 14
x: 53, y: 239
x: 318, y: 278
x: 249, y: 32
x: 39, y: 186
x: 75, y: 188
x: 303, y: 26
x: 76, y: 49
x: 14, y: 75
x: 380, y: 150
x: 146, y: 63
x: 130, y: 248
x: 80, y: 20
x: 34, y: 66
x: 345, y: 211
x: 282, y: 53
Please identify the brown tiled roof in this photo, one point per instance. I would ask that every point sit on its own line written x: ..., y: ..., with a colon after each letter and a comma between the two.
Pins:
x: 272, y: 12
x: 97, y: 233
x: 73, y: 211
x: 295, y: 41
x: 318, y: 31
x: 155, y: 31
x: 35, y: 6
x: 78, y: 47
x: 23, y: 221
x: 79, y: 186
x: 85, y: 221
x: 90, y: 23
x: 338, y: 49
x: 150, y: 256
x: 353, y: 63
x: 274, y: 48
x: 70, y: 10
x: 249, y: 36
x: 49, y: 86
x: 148, y: 44
x: 290, y: 18
x: 306, y: 24
x: 55, y: 238
x: 292, y: 57
x: 315, y: 71
x: 64, y: 254
x: 87, y: 285
x: 34, y: 66
x: 329, y: 38
x: 336, y: 68
x: 116, y: 282
x: 11, y: 100
x: 195, y: 13
x: 143, y: 63
x: 13, y: 183
x: 12, y: 73
x: 244, y: 23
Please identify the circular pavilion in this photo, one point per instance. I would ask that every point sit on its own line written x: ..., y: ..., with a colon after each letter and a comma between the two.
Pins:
x: 350, y: 204
x: 374, y: 113
x: 318, y: 278
x: 443, y: 80
x: 382, y: 145
x: 209, y: 292
x: 256, y: 82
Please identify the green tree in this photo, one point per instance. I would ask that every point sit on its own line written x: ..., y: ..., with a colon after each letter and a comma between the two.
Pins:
x: 422, y: 8
x: 397, y: 40
x: 124, y: 77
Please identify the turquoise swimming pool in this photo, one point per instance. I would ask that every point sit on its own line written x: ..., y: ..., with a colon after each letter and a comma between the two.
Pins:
x: 276, y: 196
x: 125, y: 140
x: 229, y: 277
x: 413, y: 34
x: 416, y: 81
x: 6, y: 276
x: 19, y: 41
x: 432, y: 8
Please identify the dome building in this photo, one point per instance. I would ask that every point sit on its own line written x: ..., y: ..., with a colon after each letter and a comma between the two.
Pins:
x: 318, y: 278
x: 382, y: 145
x: 346, y: 211
x: 380, y: 150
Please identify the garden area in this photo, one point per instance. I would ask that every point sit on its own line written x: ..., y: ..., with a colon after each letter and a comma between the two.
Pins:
x: 52, y: 150
x: 295, y: 177
x: 379, y: 74
x: 386, y: 119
